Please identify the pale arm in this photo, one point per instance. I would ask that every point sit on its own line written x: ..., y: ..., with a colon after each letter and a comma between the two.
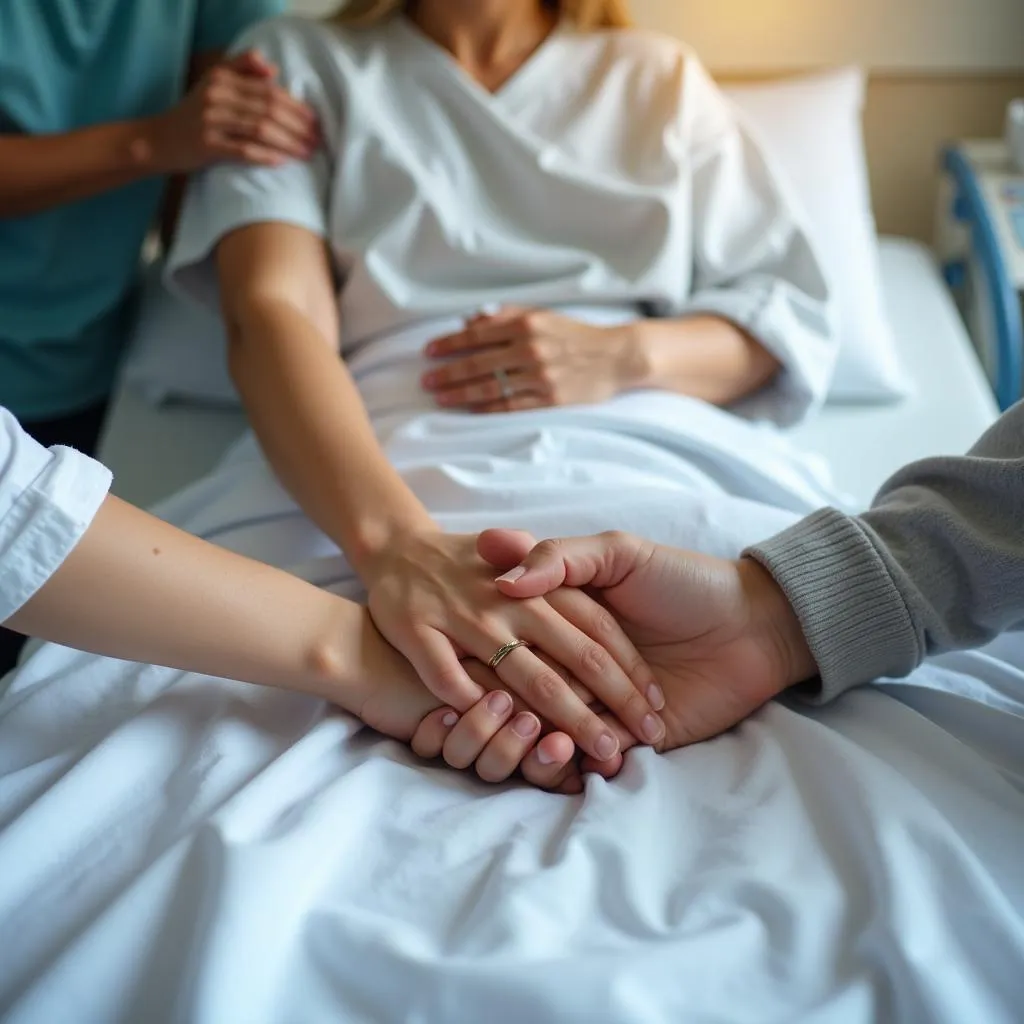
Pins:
x: 135, y: 588
x: 281, y: 313
x: 706, y: 357
x: 138, y: 589
x: 427, y: 590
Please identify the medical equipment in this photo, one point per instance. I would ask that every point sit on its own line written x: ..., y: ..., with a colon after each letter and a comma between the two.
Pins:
x: 980, y: 236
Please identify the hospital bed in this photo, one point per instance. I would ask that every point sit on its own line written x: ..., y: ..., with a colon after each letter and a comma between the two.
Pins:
x: 222, y: 852
x: 155, y: 450
x: 176, y: 847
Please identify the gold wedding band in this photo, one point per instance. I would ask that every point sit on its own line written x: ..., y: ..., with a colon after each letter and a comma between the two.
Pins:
x: 503, y: 382
x: 504, y: 651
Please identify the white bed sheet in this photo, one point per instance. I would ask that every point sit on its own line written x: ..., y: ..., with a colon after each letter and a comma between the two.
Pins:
x: 189, y: 849
x: 155, y: 452
x: 951, y: 404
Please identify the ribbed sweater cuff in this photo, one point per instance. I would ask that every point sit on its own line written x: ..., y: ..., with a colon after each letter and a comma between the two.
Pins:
x: 857, y: 624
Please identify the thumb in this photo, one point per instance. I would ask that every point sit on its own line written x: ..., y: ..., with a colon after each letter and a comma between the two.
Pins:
x: 252, y: 62
x: 504, y: 549
x: 603, y: 560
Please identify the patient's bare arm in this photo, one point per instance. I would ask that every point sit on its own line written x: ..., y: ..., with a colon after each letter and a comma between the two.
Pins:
x: 429, y: 592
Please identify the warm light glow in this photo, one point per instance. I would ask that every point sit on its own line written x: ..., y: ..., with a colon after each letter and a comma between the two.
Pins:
x: 923, y: 35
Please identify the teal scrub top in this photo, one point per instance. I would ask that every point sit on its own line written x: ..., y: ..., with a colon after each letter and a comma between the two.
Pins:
x: 67, y: 275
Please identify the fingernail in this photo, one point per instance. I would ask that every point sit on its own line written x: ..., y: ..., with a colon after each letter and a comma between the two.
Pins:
x: 449, y: 719
x: 655, y: 697
x: 544, y: 757
x: 499, y: 703
x: 524, y: 726
x: 652, y: 728
x: 429, y: 380
x: 512, y: 576
x: 606, y: 747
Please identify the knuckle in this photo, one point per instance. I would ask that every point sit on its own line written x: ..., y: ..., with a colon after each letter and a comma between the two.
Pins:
x: 446, y: 684
x: 543, y: 687
x: 594, y: 660
x: 603, y: 625
x: 586, y: 728
x: 219, y: 78
x: 549, y: 549
x: 208, y: 137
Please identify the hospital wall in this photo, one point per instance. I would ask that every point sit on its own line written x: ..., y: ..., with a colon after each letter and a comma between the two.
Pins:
x: 939, y: 70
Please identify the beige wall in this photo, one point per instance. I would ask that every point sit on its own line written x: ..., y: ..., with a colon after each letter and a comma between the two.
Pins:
x: 892, y: 35
x: 906, y: 122
x: 940, y: 70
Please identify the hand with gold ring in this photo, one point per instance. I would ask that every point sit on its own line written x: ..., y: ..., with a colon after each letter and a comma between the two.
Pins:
x: 435, y: 600
x: 518, y: 359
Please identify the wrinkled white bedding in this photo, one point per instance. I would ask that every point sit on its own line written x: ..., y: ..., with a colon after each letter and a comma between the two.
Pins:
x: 182, y: 848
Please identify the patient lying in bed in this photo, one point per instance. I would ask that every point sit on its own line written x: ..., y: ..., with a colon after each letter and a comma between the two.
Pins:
x: 187, y: 845
x: 433, y: 198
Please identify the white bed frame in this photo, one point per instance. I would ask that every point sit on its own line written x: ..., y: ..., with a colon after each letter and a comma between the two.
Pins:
x: 156, y: 451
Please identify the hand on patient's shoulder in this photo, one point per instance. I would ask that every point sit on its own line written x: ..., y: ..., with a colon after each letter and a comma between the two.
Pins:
x: 719, y: 636
x: 236, y: 111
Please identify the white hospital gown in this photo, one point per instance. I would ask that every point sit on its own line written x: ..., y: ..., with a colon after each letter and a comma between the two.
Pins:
x: 608, y: 171
x: 47, y: 501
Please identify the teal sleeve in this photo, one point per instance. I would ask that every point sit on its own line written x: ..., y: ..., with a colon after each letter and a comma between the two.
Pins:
x: 219, y: 22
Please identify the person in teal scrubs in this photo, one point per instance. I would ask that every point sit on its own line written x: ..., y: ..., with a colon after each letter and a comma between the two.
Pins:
x: 102, y: 104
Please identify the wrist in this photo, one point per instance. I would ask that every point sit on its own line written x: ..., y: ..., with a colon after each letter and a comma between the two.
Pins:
x: 152, y: 146
x: 374, y: 540
x: 633, y: 364
x: 776, y: 625
x: 335, y: 654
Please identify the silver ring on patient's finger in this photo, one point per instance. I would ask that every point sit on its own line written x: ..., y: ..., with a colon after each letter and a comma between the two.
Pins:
x: 504, y: 651
x: 503, y: 382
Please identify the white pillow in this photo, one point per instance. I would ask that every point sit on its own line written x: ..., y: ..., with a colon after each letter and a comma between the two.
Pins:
x: 810, y: 128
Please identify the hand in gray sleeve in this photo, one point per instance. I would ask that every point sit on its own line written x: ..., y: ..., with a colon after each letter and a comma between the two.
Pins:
x: 937, y: 564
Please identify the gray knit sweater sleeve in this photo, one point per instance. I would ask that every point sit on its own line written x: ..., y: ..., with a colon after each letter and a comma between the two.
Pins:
x: 937, y: 564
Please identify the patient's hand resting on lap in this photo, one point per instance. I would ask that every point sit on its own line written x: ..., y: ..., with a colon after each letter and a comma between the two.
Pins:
x: 388, y: 696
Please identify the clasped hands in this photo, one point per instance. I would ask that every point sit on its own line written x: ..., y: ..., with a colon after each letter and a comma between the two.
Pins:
x: 661, y: 637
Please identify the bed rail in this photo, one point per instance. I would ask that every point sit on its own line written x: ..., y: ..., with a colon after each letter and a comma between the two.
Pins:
x: 971, y: 209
